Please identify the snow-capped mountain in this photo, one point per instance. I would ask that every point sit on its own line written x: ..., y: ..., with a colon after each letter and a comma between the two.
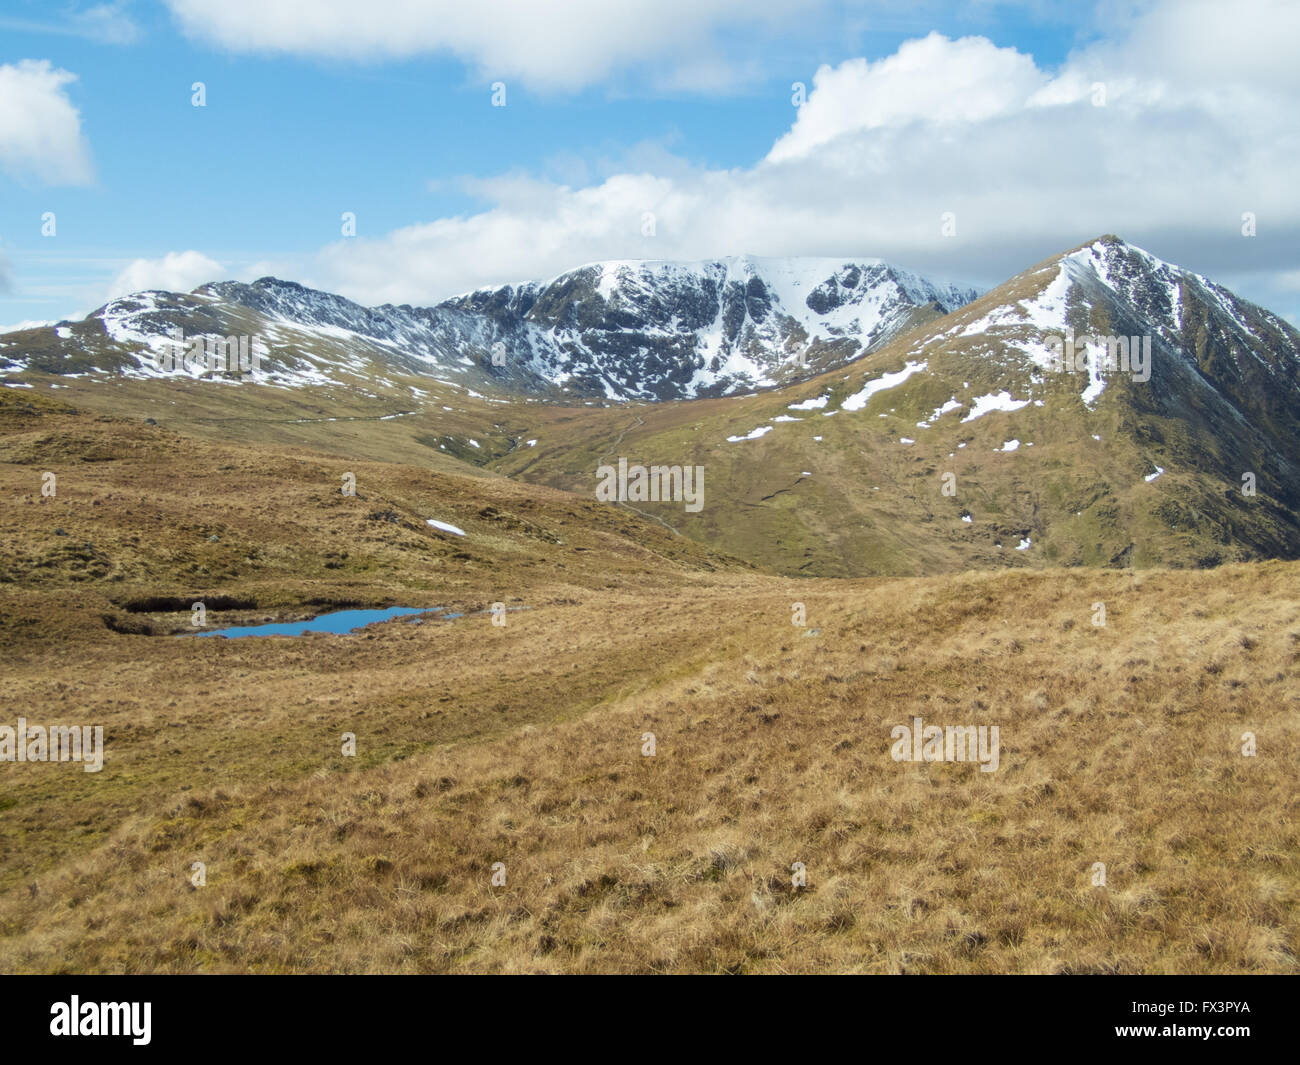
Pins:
x: 662, y: 330
x: 617, y: 330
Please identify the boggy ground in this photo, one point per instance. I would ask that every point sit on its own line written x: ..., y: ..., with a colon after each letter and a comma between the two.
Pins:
x: 523, y: 744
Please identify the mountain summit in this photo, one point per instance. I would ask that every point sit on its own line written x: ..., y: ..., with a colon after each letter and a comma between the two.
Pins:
x: 663, y: 330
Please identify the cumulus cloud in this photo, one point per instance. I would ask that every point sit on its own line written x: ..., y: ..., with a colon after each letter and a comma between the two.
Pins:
x: 547, y: 44
x: 1021, y: 156
x: 40, y: 129
x: 934, y: 81
x: 177, y: 271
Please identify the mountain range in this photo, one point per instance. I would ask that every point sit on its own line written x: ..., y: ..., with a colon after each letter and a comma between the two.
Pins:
x: 616, y: 330
x: 853, y: 418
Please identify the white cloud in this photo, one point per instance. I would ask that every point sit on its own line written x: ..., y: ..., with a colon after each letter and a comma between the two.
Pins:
x: 547, y: 44
x: 536, y: 229
x: 933, y: 81
x: 40, y: 129
x: 1203, y: 47
x: 880, y: 151
x: 177, y: 271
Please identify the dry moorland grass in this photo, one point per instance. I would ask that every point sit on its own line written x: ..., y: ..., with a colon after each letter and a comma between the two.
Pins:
x: 1119, y: 745
x: 523, y: 745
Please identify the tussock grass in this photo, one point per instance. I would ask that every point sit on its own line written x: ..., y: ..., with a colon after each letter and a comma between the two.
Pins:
x: 522, y: 745
x: 1119, y: 745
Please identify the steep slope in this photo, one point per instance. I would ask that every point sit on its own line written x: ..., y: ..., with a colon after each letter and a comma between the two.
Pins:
x: 660, y: 330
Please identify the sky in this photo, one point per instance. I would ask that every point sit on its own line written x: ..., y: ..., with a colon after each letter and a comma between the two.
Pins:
x: 480, y: 144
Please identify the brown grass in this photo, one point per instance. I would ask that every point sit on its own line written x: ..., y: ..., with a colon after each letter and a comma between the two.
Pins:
x: 522, y: 745
x: 1119, y: 745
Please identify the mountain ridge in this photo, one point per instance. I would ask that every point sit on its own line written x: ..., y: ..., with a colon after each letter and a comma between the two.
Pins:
x: 643, y: 329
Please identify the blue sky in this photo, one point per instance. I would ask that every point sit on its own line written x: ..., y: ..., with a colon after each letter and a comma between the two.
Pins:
x: 668, y: 109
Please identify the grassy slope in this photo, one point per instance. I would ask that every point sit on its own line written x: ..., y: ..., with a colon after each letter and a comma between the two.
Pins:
x: 874, y: 505
x: 869, y: 505
x: 521, y: 744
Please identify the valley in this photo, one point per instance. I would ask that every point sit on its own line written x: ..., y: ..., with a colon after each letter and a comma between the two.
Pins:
x: 923, y: 527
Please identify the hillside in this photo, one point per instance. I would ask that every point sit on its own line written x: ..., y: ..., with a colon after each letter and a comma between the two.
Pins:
x: 142, y: 516
x: 846, y: 474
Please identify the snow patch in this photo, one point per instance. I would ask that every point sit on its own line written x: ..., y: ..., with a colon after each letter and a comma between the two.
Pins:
x: 1003, y: 401
x: 890, y: 380
x: 754, y: 434
x: 444, y: 526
